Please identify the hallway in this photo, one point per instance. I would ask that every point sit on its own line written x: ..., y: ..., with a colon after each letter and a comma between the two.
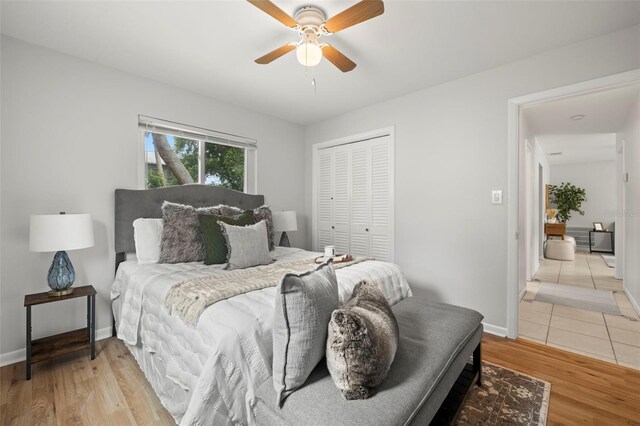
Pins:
x: 607, y: 337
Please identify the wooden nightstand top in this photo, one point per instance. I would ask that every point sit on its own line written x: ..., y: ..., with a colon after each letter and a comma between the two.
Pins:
x: 45, y: 297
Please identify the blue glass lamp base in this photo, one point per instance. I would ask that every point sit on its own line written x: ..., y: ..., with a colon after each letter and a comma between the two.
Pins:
x: 61, y: 274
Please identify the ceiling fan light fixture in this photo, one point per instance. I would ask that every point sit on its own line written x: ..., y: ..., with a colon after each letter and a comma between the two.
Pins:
x: 309, y: 54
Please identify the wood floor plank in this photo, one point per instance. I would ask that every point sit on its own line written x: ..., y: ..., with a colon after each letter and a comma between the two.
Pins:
x: 583, y: 390
x: 16, y: 409
x: 42, y: 405
x: 73, y: 390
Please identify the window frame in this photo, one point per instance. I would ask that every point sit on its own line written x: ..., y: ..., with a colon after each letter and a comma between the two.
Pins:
x: 203, y: 136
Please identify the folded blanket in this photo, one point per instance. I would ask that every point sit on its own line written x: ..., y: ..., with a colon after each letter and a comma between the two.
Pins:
x: 191, y: 297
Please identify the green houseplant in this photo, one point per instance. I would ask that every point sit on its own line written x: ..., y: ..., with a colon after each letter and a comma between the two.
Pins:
x: 568, y: 198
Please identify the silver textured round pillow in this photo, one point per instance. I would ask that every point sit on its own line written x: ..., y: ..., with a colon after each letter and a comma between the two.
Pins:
x: 362, y: 342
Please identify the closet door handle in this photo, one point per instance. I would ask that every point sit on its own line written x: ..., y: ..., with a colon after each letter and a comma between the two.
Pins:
x: 333, y: 227
x: 366, y: 229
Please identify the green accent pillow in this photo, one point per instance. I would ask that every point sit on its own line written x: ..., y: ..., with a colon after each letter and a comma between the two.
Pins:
x: 215, y: 244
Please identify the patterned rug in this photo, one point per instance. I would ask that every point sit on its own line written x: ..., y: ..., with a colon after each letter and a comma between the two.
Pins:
x: 506, y: 398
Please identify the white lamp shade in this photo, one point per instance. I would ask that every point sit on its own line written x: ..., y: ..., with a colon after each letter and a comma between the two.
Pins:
x: 309, y: 54
x: 284, y: 221
x: 58, y: 232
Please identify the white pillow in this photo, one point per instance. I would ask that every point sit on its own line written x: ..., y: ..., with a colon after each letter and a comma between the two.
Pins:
x: 147, y: 234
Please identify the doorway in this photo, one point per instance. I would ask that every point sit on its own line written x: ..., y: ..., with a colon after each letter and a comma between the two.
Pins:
x: 528, y: 215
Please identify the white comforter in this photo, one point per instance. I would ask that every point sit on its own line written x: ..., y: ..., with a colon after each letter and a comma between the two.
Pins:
x: 208, y: 374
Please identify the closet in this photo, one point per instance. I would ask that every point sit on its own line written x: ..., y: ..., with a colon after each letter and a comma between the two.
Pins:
x: 353, y: 208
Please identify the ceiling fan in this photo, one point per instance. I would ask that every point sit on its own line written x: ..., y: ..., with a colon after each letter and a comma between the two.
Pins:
x: 311, y: 24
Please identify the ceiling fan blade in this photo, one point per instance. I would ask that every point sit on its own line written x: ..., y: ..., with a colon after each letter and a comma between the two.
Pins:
x: 343, y: 63
x: 356, y: 14
x: 272, y: 56
x: 271, y: 9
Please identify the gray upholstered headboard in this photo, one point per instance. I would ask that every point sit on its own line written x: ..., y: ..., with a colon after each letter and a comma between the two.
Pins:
x: 132, y: 204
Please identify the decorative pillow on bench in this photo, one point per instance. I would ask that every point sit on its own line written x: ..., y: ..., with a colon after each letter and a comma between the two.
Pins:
x: 362, y: 342
x: 303, y: 308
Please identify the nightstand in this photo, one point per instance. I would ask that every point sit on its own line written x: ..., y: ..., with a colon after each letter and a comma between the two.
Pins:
x: 64, y: 343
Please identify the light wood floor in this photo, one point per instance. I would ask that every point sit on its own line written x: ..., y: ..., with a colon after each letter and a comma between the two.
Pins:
x: 111, y: 390
x: 584, y: 390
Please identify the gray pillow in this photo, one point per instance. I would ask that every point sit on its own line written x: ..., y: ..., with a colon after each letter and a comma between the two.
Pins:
x: 362, y: 342
x: 181, y: 233
x: 303, y: 308
x: 259, y: 213
x: 247, y: 245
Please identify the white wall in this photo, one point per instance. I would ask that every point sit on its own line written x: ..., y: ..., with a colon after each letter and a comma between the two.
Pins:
x: 530, y: 223
x: 631, y: 135
x: 70, y: 138
x: 598, y: 179
x: 539, y: 159
x: 451, y: 151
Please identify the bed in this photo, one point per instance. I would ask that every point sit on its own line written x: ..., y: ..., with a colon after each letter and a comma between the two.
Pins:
x: 208, y: 373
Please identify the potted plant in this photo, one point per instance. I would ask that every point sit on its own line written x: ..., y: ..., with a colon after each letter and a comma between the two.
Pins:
x: 568, y: 198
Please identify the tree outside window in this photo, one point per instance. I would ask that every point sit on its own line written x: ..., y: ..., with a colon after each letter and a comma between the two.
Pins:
x: 173, y: 160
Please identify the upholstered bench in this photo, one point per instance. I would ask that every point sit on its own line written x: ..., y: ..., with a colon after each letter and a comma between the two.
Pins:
x: 436, y: 342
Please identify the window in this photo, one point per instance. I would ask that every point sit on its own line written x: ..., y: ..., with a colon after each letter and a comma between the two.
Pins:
x: 176, y: 154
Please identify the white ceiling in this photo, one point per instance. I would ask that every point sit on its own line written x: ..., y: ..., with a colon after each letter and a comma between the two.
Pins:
x: 590, y: 139
x: 604, y: 112
x: 208, y: 47
x: 585, y: 148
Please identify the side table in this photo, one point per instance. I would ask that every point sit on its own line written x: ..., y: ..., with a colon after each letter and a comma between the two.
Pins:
x: 63, y: 343
x: 611, y: 238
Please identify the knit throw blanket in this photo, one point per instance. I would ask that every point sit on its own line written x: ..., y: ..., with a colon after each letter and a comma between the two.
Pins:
x: 191, y: 297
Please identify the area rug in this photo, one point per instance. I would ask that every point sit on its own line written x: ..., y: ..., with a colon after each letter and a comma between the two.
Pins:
x: 609, y: 259
x: 578, y: 297
x: 506, y: 398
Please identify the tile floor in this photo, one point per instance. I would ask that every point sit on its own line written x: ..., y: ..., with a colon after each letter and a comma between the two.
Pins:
x: 607, y: 337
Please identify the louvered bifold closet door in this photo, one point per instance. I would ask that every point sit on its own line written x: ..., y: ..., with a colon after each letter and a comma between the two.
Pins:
x: 325, y: 197
x: 341, y: 202
x: 381, y: 201
x: 360, y: 199
x: 355, y: 198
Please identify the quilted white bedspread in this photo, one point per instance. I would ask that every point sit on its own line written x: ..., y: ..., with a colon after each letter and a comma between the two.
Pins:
x: 208, y: 374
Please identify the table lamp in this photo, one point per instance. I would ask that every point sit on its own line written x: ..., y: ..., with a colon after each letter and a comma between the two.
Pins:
x: 283, y: 222
x: 60, y: 232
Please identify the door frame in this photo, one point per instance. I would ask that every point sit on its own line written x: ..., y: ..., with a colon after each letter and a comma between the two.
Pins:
x: 621, y: 206
x: 360, y: 137
x: 515, y: 184
x: 528, y: 183
x: 542, y: 208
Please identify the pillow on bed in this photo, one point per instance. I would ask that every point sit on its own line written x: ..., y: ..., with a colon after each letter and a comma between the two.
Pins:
x: 181, y: 233
x: 260, y: 213
x: 247, y: 245
x: 147, y: 235
x: 303, y: 309
x: 215, y: 244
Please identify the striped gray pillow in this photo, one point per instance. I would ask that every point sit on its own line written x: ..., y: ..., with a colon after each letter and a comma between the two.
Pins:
x: 303, y: 309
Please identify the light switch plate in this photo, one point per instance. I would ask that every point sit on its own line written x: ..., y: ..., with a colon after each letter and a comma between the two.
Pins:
x: 496, y: 196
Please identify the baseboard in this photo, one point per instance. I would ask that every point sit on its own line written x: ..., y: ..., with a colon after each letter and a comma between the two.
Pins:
x: 633, y: 301
x: 494, y: 329
x: 20, y: 355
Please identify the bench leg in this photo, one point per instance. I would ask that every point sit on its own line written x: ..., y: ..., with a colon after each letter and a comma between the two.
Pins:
x: 477, y: 363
